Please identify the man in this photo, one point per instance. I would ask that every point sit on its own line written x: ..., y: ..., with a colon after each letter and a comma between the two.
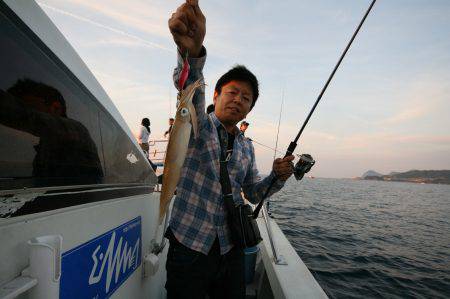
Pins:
x: 171, y: 121
x: 243, y: 127
x: 201, y: 258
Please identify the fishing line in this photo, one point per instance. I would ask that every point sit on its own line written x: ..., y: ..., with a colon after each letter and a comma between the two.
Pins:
x: 293, y: 143
x: 279, y: 122
x: 266, y: 146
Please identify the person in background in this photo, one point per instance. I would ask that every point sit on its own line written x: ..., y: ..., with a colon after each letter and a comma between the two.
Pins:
x: 210, y: 109
x: 244, y: 127
x: 144, y: 134
x: 171, y: 121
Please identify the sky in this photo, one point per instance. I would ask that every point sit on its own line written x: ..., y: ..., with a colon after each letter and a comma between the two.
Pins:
x: 387, y: 108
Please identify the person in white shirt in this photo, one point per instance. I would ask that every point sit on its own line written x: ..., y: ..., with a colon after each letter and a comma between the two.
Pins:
x: 144, y: 134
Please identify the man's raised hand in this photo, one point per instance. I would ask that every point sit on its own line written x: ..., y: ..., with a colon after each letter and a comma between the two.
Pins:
x: 188, y: 28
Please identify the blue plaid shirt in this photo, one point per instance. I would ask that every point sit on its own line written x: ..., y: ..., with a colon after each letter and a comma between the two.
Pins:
x: 198, y: 214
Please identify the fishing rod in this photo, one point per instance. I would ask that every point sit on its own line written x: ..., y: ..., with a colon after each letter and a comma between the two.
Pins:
x: 306, y: 164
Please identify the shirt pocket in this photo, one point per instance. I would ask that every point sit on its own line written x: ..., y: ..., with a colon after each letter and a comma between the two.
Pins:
x: 240, y: 164
x: 209, y: 152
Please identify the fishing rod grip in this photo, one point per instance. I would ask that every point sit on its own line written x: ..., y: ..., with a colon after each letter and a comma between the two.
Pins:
x: 290, y: 149
x: 258, y: 208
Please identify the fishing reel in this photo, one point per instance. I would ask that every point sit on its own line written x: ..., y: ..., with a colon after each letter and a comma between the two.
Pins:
x: 304, y: 165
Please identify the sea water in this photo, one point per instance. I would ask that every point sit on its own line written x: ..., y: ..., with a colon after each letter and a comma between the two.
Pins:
x: 369, y: 239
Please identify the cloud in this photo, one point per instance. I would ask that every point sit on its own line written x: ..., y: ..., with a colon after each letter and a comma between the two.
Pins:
x: 138, y: 39
x: 441, y: 140
x: 125, y: 42
x: 384, y: 143
x: 380, y: 149
x: 405, y: 107
x: 145, y: 17
x: 421, y: 97
x: 150, y: 19
x: 122, y: 89
x: 407, y: 114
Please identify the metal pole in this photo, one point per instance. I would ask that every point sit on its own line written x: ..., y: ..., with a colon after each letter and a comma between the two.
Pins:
x: 279, y: 260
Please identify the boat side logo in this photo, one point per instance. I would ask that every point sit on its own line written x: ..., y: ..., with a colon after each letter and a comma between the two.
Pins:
x: 98, y: 267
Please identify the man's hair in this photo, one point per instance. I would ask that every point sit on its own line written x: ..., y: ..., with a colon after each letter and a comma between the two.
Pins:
x: 171, y: 119
x: 239, y: 73
x: 210, y: 109
x: 244, y: 123
x: 24, y: 87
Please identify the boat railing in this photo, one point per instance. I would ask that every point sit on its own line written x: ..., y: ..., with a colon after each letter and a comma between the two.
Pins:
x: 157, y: 154
x: 278, y: 259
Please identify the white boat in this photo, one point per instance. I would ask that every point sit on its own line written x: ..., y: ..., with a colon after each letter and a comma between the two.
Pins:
x: 78, y: 206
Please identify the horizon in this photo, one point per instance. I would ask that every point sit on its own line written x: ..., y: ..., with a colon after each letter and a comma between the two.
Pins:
x: 386, y: 108
x: 360, y: 176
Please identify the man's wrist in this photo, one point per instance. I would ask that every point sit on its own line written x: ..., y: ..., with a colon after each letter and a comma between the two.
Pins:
x: 273, y: 174
x: 194, y: 63
x: 278, y: 180
x: 197, y: 53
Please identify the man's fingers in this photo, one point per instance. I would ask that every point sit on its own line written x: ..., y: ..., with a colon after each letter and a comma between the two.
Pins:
x: 278, y: 160
x: 289, y: 158
x: 178, y: 23
x: 285, y: 168
x: 177, y: 26
x: 197, y: 10
x: 284, y: 172
x: 191, y: 18
x: 181, y: 13
x: 186, y: 14
x: 285, y: 159
x: 283, y: 164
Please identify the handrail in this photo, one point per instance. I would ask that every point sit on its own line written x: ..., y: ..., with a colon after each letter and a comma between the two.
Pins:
x: 160, y: 152
x: 154, y: 141
x: 158, y: 247
x: 279, y: 260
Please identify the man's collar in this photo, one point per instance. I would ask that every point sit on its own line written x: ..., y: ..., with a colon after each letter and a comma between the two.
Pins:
x: 217, y: 124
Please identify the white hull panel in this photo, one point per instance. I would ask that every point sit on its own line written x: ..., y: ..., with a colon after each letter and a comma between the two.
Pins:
x: 78, y: 225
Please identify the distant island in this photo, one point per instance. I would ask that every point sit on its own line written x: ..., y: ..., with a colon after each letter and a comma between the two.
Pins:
x: 412, y: 176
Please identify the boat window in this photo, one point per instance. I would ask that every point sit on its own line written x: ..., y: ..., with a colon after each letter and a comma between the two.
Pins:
x: 123, y: 160
x: 50, y: 131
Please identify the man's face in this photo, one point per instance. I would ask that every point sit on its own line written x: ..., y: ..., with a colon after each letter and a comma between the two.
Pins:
x: 171, y: 121
x: 233, y: 103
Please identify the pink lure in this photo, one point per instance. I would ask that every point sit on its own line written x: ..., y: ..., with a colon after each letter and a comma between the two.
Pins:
x: 184, y: 74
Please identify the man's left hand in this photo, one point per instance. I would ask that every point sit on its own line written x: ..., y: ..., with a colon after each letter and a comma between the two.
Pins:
x: 283, y: 168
